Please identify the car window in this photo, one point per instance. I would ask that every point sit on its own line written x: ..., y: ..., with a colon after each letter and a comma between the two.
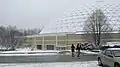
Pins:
x: 108, y: 52
x: 103, y: 52
x: 116, y: 53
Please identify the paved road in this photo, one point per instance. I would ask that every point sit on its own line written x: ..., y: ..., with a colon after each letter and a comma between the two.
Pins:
x: 46, y: 58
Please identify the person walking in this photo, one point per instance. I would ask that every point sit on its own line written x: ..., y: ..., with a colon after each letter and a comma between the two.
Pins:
x: 72, y: 50
x: 78, y: 49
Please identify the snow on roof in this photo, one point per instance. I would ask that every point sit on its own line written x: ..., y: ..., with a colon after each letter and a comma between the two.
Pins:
x: 113, y: 49
x: 75, y: 20
x: 113, y: 43
x: 54, y: 34
x: 50, y: 34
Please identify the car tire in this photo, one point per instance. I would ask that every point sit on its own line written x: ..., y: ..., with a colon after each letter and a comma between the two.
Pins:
x: 100, y: 62
x: 117, y: 65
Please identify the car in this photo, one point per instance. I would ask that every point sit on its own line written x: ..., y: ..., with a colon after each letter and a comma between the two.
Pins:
x: 110, y: 56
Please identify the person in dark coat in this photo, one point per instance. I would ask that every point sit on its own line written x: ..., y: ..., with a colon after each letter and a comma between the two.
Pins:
x: 72, y: 50
x: 78, y: 49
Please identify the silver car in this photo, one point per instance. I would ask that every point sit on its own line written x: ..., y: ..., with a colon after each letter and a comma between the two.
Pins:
x: 109, y: 57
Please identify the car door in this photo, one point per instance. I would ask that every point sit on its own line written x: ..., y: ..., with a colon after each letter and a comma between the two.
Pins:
x: 104, y: 59
x: 108, y: 59
x: 102, y: 56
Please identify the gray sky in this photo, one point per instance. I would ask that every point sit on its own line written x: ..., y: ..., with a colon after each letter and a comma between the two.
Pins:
x: 37, y: 13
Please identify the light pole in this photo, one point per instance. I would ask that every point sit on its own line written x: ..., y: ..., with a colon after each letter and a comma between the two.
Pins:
x: 99, y: 2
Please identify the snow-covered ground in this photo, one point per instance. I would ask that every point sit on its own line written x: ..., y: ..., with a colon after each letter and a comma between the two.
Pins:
x: 57, y: 64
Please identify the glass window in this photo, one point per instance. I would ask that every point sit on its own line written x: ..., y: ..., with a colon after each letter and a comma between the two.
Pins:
x: 108, y: 52
x: 103, y: 52
x: 39, y: 47
x: 50, y: 47
x: 116, y: 53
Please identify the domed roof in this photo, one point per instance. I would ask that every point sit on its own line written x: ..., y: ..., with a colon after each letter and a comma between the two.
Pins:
x: 75, y: 20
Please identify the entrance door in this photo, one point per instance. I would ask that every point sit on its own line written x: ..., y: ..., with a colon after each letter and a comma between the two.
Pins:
x: 39, y: 47
x: 50, y: 47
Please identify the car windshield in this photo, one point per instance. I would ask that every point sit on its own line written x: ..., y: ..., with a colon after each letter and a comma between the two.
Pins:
x: 116, y: 53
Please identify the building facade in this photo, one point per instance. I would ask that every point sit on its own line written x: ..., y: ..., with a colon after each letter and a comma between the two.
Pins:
x: 63, y: 41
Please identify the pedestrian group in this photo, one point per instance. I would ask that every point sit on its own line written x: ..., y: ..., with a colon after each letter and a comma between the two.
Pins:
x: 78, y: 47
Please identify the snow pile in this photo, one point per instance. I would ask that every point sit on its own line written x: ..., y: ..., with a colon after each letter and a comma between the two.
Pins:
x: 57, y: 64
x: 23, y: 49
x: 41, y: 52
x: 36, y: 51
x: 88, y: 52
x: 37, y: 54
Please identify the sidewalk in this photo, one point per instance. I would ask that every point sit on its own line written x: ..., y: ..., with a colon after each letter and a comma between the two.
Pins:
x: 56, y: 64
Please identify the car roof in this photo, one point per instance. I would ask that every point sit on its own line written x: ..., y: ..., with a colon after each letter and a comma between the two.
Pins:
x: 113, y: 49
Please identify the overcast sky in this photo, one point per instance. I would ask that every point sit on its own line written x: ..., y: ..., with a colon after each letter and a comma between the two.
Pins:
x: 37, y: 13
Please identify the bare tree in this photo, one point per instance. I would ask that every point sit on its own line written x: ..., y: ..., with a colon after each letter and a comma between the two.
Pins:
x: 2, y: 35
x: 14, y: 36
x: 34, y: 31
x: 97, y: 25
x: 10, y: 37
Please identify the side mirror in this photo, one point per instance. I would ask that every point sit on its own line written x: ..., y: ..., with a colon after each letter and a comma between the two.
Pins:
x: 110, y: 56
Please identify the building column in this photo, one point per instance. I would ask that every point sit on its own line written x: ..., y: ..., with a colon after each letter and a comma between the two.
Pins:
x: 34, y: 43
x: 67, y: 41
x: 43, y: 45
x: 56, y: 42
